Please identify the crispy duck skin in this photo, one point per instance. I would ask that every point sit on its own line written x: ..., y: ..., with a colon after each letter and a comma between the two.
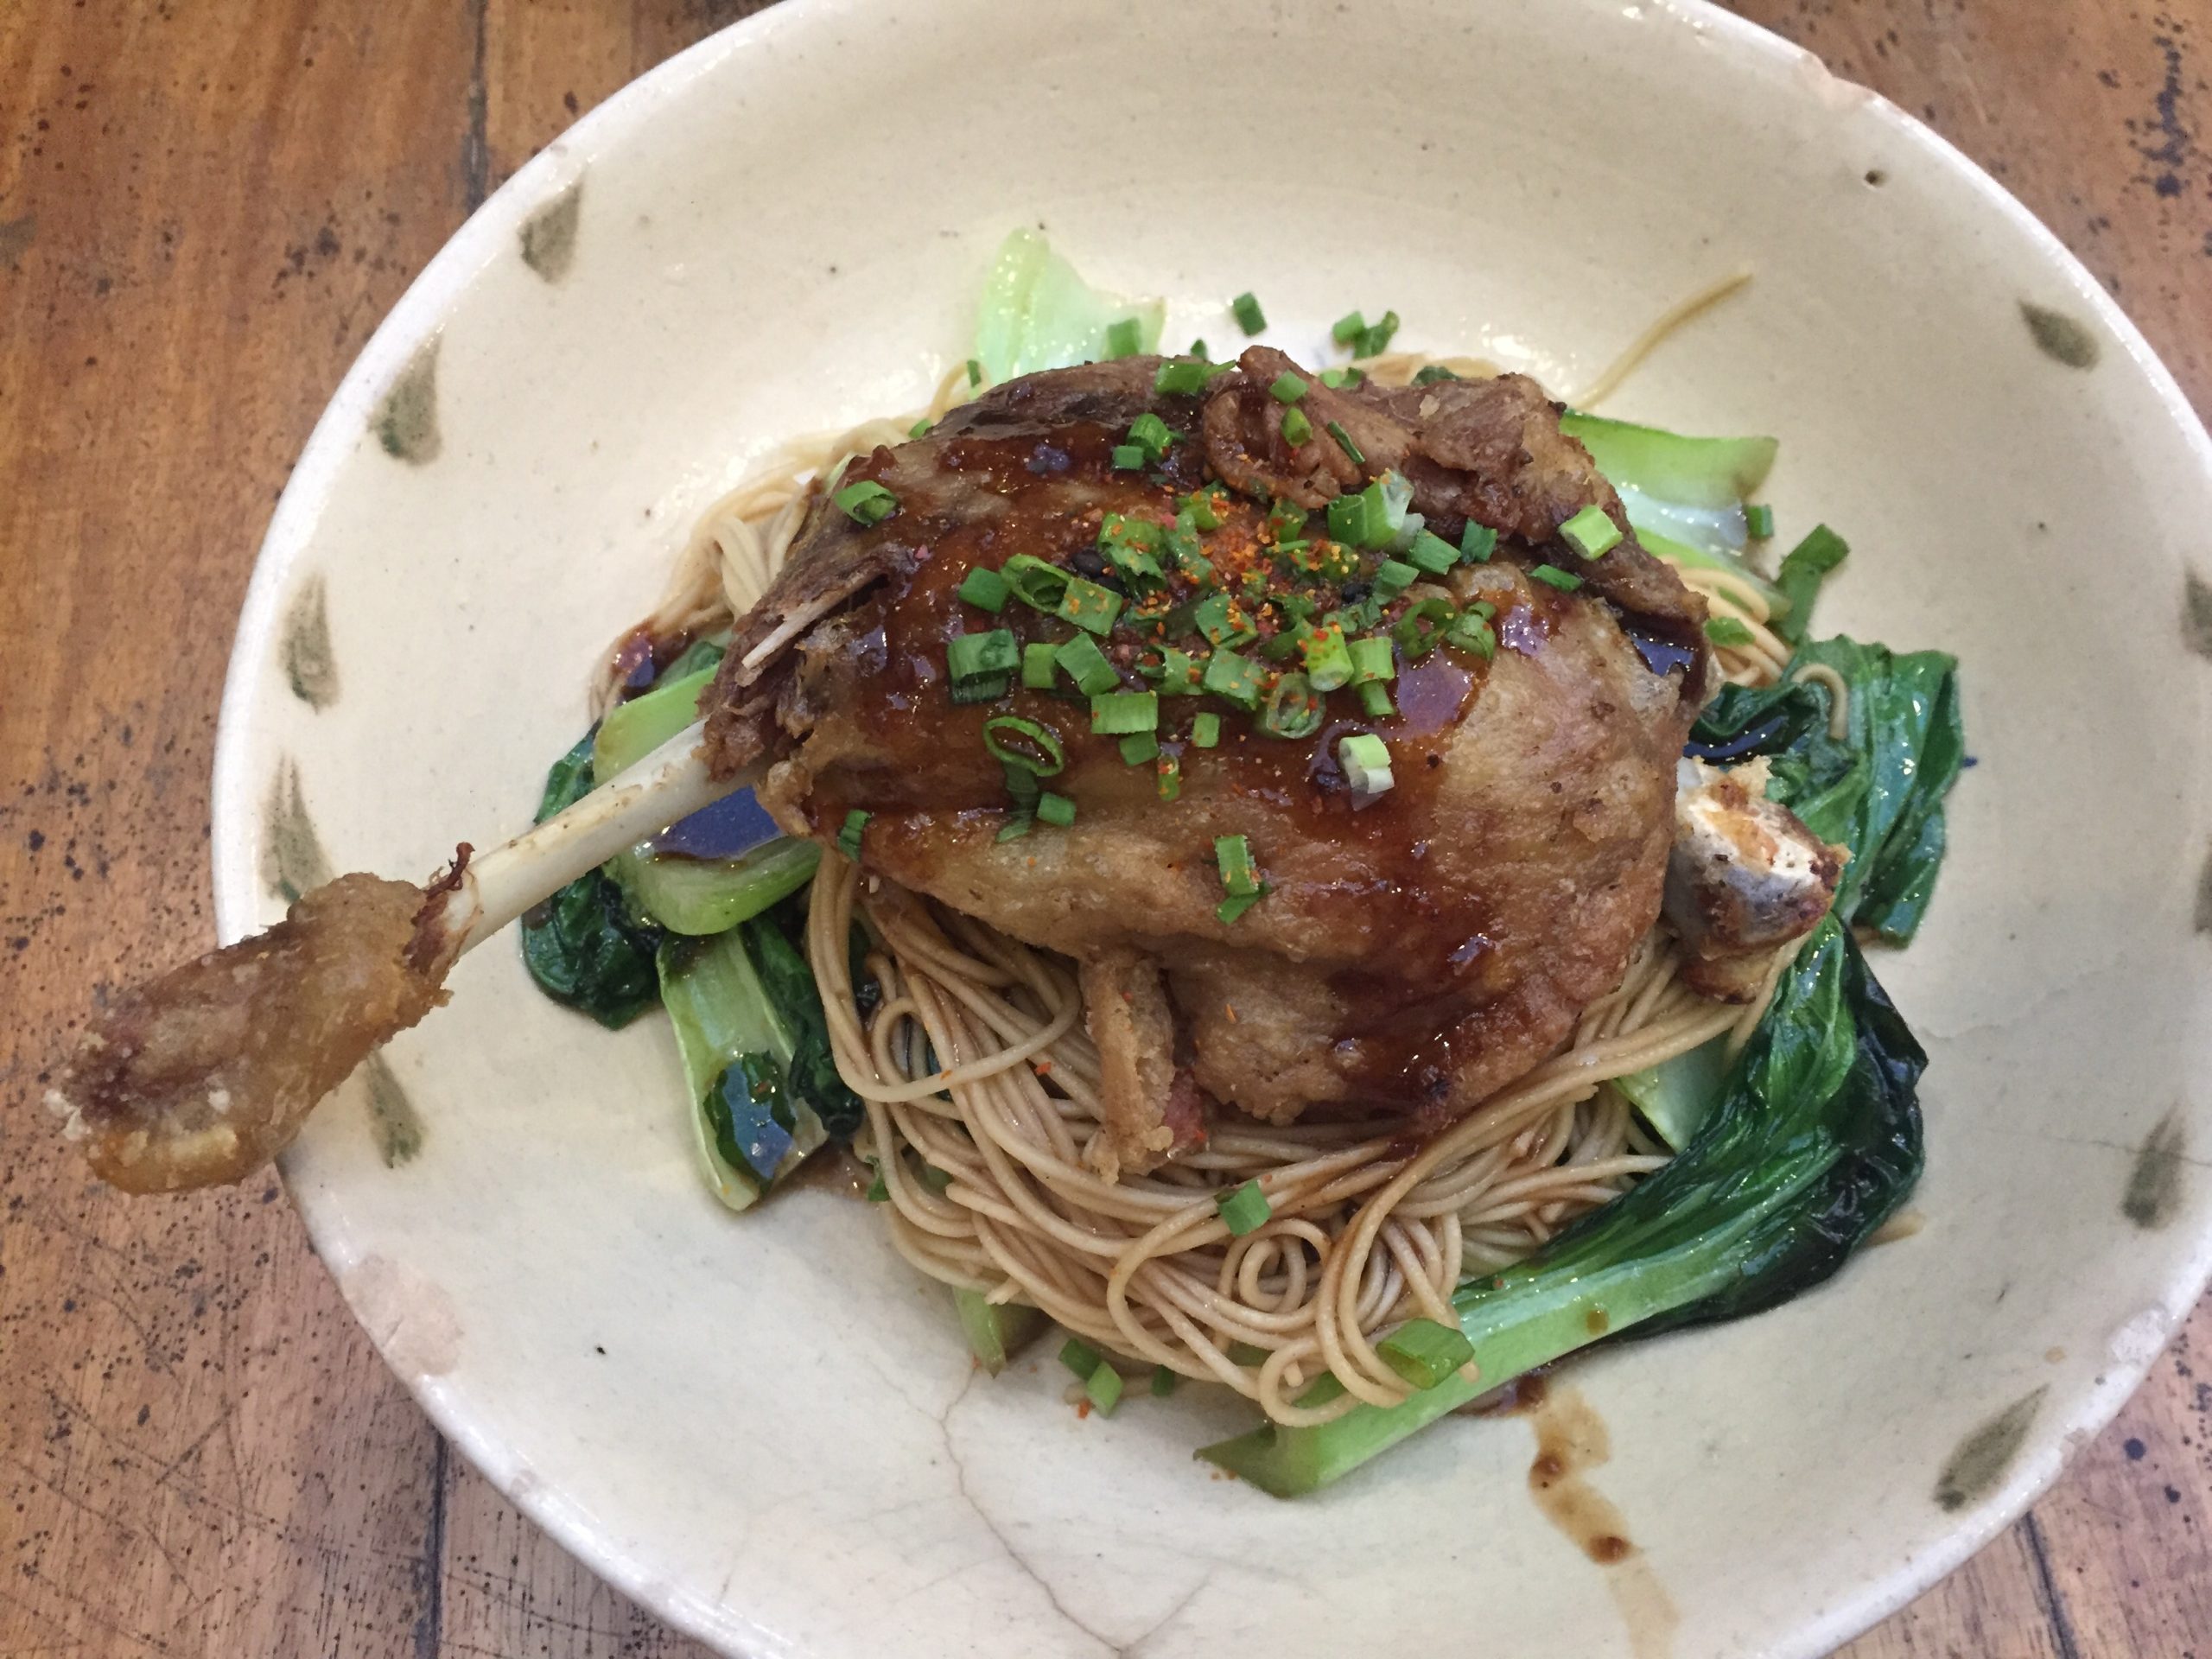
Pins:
x: 203, y: 1076
x: 1416, y: 953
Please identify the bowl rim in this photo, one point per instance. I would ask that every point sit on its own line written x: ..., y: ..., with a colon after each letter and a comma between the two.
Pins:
x: 489, y: 231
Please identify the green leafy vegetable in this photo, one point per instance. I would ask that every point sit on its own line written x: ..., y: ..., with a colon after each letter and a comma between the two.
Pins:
x: 1813, y: 1146
x: 1693, y: 472
x: 1038, y: 313
x: 581, y: 945
x: 1878, y: 790
x: 1805, y: 567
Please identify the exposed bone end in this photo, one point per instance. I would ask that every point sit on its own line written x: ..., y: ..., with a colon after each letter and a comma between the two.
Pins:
x: 198, y: 1077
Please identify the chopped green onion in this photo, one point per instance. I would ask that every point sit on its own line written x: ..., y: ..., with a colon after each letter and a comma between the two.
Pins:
x: 848, y: 837
x: 1123, y: 338
x: 1348, y: 328
x: 1232, y: 856
x: 1557, y: 577
x: 1243, y: 1209
x: 1151, y: 433
x: 1090, y: 607
x: 1365, y: 759
x: 1433, y: 553
x: 1139, y: 748
x: 866, y: 502
x: 1056, y: 810
x: 1080, y: 1357
x: 1425, y: 1353
x: 1176, y: 674
x: 1392, y: 578
x: 1727, y: 631
x: 1374, y: 700
x: 1037, y: 664
x: 1103, y: 1386
x: 1591, y: 532
x: 1035, y: 583
x: 1182, y: 545
x: 1206, y: 730
x: 1420, y: 628
x: 1170, y: 781
x: 1203, y: 507
x: 1375, y: 339
x: 877, y: 1191
x: 1372, y: 660
x: 1198, y: 350
x: 1045, y: 756
x: 988, y: 689
x: 1758, y: 520
x: 1344, y: 443
x: 935, y: 1179
x: 1223, y: 622
x: 1229, y: 909
x: 1470, y: 632
x: 1087, y: 665
x: 919, y: 429
x: 975, y: 372
x: 1238, y: 679
x: 986, y: 589
x: 1328, y: 661
x: 1293, y: 708
x: 1288, y: 388
x: 982, y: 655
x: 1348, y: 519
x: 1246, y: 309
x: 1284, y: 645
x: 1129, y: 458
x: 1164, y: 1382
x: 1429, y: 373
x: 1477, y: 543
x: 1296, y: 429
x: 1181, y: 377
x: 1023, y: 821
x: 1118, y: 712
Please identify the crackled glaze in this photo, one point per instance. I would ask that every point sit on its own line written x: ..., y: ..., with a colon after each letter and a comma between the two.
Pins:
x: 766, y: 1427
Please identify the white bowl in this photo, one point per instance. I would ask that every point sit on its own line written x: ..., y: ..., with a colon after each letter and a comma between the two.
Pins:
x: 766, y: 1428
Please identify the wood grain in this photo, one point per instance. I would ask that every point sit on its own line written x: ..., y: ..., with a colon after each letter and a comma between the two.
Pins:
x: 203, y: 210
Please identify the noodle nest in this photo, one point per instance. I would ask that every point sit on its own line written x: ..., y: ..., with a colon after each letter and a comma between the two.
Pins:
x: 980, y: 1082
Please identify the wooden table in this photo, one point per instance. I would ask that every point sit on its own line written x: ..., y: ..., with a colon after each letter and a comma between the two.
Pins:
x: 204, y: 206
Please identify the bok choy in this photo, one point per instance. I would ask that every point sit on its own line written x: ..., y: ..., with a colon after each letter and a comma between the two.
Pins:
x: 755, y: 1048
x: 1037, y: 313
x: 1813, y: 1146
x: 1788, y: 1157
x: 754, y: 866
x: 1878, y: 790
x: 1684, y: 495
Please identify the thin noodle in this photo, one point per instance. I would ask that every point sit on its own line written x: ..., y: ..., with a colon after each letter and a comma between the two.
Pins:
x: 1643, y: 345
x: 980, y: 1079
x: 1839, y: 696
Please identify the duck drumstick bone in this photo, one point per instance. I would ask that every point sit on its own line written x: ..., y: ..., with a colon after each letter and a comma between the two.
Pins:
x: 199, y: 1077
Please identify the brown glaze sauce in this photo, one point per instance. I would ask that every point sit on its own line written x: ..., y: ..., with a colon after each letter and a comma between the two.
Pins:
x: 1042, y: 491
x: 1572, y: 1440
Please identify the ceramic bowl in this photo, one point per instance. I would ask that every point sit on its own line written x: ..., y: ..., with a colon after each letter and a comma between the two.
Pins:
x: 766, y: 1427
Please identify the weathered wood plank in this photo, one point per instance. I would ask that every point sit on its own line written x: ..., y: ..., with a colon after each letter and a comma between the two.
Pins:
x: 198, y: 1452
x: 202, y: 212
